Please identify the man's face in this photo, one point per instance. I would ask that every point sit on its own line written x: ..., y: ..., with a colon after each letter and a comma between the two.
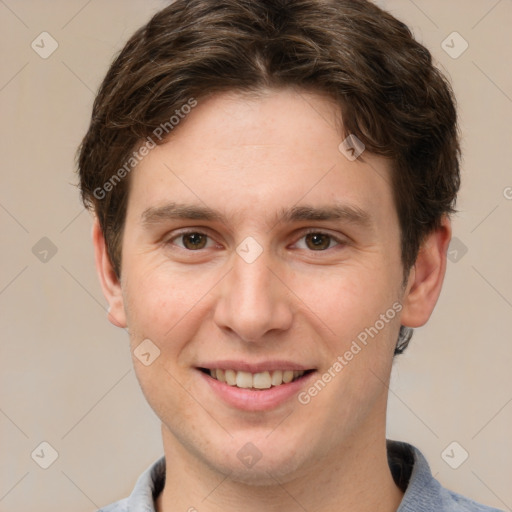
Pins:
x: 255, y: 290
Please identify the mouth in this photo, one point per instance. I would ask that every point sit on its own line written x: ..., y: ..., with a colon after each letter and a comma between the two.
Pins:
x: 255, y: 381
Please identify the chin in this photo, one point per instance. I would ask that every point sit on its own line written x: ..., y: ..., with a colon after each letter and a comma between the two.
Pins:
x: 258, y: 467
x: 262, y: 474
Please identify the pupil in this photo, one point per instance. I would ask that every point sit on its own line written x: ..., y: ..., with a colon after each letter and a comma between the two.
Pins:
x: 319, y: 240
x: 194, y: 241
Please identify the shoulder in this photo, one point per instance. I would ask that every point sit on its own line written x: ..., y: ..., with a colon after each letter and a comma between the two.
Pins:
x: 422, y: 492
x: 149, y: 484
x: 118, y: 506
x: 458, y: 503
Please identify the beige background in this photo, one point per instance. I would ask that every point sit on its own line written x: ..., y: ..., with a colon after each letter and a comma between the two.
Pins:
x: 66, y: 375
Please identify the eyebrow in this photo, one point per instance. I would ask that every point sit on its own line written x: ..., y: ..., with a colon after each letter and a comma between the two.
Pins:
x: 175, y: 211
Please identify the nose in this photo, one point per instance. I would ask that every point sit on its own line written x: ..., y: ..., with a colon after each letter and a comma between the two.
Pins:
x: 253, y: 300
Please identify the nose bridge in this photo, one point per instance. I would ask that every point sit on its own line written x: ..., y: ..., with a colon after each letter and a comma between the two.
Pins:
x: 253, y: 300
x: 252, y: 281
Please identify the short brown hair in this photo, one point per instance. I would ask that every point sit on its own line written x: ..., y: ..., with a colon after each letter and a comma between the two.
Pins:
x: 390, y: 95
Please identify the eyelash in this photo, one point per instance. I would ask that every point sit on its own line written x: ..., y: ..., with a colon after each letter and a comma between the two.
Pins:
x: 338, y: 241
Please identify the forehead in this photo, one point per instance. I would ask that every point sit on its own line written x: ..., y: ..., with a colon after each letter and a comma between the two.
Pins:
x: 235, y: 155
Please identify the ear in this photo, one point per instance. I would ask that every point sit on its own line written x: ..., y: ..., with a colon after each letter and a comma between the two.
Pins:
x: 426, y: 277
x: 110, y: 284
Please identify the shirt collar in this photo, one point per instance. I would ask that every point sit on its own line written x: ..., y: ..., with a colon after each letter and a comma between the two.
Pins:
x: 148, y: 487
x: 408, y: 466
x: 412, y: 474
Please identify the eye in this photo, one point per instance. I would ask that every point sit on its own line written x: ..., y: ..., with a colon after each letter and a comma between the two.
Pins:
x: 319, y: 241
x: 190, y: 240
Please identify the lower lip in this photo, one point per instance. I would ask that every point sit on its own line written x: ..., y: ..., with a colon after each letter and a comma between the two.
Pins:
x: 256, y: 400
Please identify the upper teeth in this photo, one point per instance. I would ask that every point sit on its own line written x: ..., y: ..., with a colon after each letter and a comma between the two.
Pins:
x: 261, y: 380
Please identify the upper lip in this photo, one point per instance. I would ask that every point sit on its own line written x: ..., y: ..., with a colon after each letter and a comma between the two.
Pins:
x: 244, y: 366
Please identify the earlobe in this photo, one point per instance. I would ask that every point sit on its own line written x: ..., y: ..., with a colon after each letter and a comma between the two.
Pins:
x: 426, y: 277
x: 110, y: 283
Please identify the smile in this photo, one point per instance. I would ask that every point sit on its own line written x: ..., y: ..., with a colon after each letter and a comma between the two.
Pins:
x: 256, y: 381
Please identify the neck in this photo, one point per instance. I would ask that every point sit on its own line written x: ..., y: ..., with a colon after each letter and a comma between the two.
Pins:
x: 352, y: 477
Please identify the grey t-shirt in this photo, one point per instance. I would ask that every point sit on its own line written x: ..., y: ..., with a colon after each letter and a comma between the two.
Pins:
x: 423, y: 493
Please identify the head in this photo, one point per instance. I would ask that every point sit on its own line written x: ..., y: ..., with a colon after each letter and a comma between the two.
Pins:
x: 241, y: 108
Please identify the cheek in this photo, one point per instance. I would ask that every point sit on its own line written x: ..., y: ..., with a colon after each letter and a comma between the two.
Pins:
x: 158, y: 299
x: 349, y: 299
x: 169, y: 306
x: 164, y: 307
